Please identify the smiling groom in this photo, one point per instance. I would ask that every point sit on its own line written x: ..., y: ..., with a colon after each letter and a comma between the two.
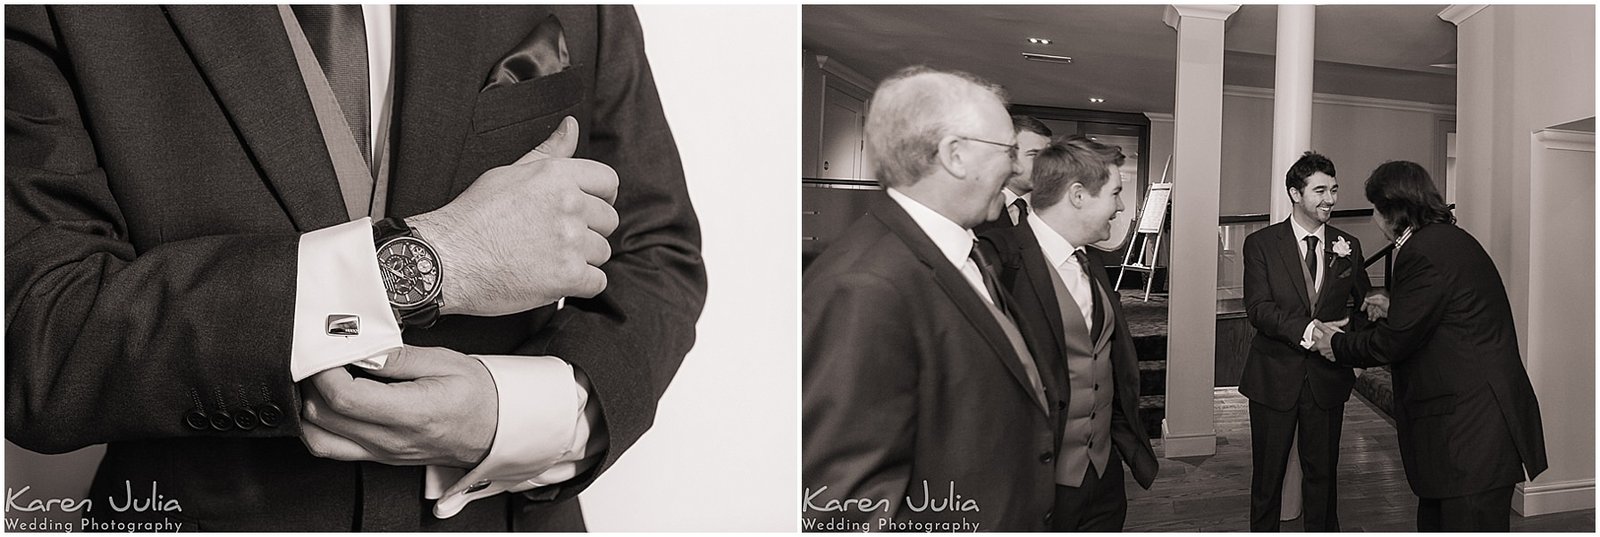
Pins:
x: 1298, y: 273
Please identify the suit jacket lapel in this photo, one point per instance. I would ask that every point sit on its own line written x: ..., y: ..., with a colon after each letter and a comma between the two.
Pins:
x: 244, y: 54
x: 956, y: 287
x: 1038, y: 271
x: 436, y: 85
x: 1294, y: 267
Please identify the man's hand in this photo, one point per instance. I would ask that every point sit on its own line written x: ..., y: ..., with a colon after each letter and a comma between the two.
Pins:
x: 526, y: 234
x: 1376, y: 305
x: 1323, y: 336
x: 441, y: 409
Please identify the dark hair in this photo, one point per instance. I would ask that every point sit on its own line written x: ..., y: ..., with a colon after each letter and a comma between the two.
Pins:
x: 1074, y: 159
x: 1309, y: 163
x: 1029, y: 123
x: 1404, y: 194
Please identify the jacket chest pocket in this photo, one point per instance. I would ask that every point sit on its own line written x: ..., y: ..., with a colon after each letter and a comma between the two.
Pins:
x: 525, y: 101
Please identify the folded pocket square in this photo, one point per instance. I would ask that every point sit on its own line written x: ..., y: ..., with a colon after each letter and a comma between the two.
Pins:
x: 543, y: 52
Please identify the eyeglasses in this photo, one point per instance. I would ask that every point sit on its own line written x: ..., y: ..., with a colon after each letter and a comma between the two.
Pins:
x: 1011, y: 149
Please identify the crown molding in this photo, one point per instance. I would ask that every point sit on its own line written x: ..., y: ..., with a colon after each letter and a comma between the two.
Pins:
x: 1458, y: 13
x: 1158, y: 116
x: 833, y: 67
x: 1565, y: 140
x: 1216, y: 12
x: 1347, y: 100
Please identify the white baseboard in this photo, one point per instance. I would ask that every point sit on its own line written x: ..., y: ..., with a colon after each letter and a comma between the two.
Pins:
x: 1186, y: 445
x: 1532, y: 499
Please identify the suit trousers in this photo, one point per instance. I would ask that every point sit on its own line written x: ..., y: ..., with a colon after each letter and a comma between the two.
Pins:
x: 1272, y: 433
x: 1489, y: 510
x: 1099, y: 503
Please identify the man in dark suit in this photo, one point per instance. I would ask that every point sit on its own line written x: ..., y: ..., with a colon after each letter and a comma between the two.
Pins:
x: 1298, y: 273
x: 1064, y: 299
x: 188, y: 195
x: 1032, y: 136
x: 917, y: 383
x: 1464, y: 408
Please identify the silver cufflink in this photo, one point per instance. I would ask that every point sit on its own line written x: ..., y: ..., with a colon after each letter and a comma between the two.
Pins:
x: 344, y: 324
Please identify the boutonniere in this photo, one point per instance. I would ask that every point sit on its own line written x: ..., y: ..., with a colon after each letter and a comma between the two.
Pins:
x: 1340, y: 247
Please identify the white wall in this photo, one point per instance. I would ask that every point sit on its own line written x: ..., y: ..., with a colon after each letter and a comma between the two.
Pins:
x: 725, y: 449
x: 1523, y: 69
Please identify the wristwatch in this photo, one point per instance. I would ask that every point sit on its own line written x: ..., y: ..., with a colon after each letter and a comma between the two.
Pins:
x: 412, y: 273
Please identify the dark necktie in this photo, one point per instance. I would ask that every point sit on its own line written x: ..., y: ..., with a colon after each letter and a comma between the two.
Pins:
x: 1098, y: 316
x: 1022, y: 209
x: 981, y: 259
x: 338, y: 36
x: 1311, y: 259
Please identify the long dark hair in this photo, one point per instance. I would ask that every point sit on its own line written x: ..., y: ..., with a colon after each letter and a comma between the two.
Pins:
x: 1404, y: 194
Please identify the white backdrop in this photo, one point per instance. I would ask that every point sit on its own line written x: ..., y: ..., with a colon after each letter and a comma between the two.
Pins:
x: 724, y: 453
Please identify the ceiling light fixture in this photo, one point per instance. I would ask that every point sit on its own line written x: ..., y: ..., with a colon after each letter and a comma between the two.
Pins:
x: 1039, y: 41
x: 1096, y: 100
x: 1050, y: 58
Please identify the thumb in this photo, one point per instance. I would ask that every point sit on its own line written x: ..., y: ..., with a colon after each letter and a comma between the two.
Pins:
x: 561, y: 144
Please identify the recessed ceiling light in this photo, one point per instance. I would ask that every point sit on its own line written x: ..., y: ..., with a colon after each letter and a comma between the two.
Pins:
x: 1038, y: 40
x: 1096, y: 100
x: 1046, y: 58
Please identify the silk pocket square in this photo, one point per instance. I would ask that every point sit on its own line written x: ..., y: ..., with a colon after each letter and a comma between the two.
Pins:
x: 543, y: 52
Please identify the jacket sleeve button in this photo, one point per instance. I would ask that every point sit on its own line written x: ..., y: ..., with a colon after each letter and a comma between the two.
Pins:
x: 197, y: 420
x: 269, y: 415
x: 246, y: 419
x: 221, y: 420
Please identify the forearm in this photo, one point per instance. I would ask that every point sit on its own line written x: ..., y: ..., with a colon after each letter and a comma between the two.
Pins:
x: 108, y: 344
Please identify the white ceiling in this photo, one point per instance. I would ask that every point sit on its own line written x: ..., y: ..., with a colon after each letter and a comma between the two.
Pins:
x: 1127, y: 55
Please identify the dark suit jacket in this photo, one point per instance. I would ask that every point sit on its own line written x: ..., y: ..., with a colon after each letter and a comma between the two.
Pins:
x: 161, y: 164
x: 1464, y: 407
x: 1033, y: 298
x: 909, y: 381
x: 1276, y: 301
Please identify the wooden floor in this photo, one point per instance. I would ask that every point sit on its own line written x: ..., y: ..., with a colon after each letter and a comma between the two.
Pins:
x: 1213, y: 493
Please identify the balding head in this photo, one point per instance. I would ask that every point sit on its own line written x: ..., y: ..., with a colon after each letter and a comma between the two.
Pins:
x: 914, y: 109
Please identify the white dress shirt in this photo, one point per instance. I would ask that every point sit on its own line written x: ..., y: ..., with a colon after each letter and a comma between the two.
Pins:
x: 1012, y: 197
x: 543, y: 433
x: 1300, y: 234
x: 1058, y: 252
x: 954, y: 241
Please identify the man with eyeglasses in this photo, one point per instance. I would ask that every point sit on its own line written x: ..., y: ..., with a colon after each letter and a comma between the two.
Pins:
x: 924, y: 407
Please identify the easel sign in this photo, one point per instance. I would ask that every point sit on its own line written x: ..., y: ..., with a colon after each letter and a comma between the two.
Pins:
x: 1154, y: 213
x: 1152, y: 220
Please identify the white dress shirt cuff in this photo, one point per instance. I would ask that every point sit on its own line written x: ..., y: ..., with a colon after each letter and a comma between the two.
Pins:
x: 1307, y: 340
x: 338, y: 275
x: 543, y: 436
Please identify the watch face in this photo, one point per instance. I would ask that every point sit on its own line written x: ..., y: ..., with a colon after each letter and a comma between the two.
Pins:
x: 410, y: 271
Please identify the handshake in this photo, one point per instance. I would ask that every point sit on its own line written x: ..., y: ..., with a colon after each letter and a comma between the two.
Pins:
x: 1376, y: 306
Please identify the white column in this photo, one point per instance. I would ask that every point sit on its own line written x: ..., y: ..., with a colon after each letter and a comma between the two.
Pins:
x: 1189, y: 428
x: 1291, y: 136
x: 1291, y: 104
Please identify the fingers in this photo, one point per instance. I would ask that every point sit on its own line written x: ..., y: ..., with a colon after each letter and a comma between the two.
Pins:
x: 410, y: 363
x: 599, y: 180
x: 601, y: 217
x: 362, y: 399
x: 596, y: 251
x: 324, y: 444
x: 1339, y: 323
x: 590, y: 282
x: 561, y: 144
